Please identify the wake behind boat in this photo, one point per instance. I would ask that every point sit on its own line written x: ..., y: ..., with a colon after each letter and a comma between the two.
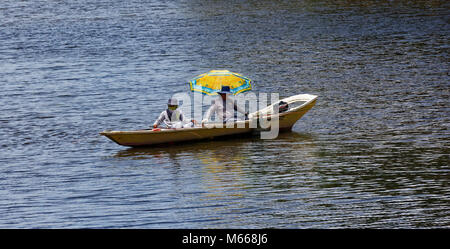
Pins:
x: 298, y: 105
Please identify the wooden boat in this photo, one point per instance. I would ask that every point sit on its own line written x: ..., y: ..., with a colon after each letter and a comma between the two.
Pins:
x: 298, y: 106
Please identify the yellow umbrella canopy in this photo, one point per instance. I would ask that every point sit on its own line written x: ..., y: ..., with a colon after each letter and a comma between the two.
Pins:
x: 211, y: 82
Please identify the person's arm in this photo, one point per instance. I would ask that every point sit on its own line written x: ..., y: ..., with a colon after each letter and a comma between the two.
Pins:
x: 237, y: 108
x: 159, y: 120
x: 209, y: 112
x: 181, y: 115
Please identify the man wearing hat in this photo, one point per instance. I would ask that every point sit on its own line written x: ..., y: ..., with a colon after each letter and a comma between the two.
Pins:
x: 223, y: 107
x: 172, y: 117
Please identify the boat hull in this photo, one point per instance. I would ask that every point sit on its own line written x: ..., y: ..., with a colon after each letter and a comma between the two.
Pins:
x: 149, y: 137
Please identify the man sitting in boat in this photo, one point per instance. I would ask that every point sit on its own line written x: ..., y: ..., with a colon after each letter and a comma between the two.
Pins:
x: 224, y: 107
x: 172, y: 117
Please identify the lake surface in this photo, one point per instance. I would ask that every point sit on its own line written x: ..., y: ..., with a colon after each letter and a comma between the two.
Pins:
x: 373, y: 152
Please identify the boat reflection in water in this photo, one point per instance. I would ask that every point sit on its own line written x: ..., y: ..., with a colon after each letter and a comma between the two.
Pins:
x: 231, y: 169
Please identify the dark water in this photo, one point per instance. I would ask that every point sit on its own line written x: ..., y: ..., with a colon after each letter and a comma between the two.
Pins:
x: 373, y: 153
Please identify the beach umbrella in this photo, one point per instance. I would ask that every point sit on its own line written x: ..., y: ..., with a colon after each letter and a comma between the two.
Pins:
x: 211, y: 82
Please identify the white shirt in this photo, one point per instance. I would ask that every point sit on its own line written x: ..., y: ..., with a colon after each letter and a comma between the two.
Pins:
x: 176, y: 116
